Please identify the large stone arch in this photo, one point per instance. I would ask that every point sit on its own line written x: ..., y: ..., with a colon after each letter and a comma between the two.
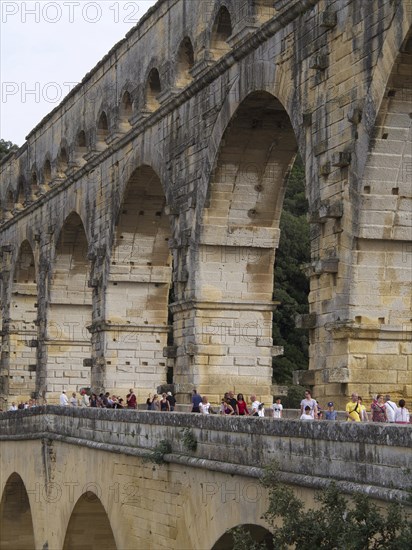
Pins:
x: 238, y: 235
x: 20, y: 329
x: 135, y: 326
x: 89, y: 526
x: 69, y: 310
x: 259, y: 76
x: 16, y: 523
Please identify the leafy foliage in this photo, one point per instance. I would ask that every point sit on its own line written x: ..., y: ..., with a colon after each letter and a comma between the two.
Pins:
x: 6, y: 147
x: 157, y: 455
x: 243, y: 540
x: 291, y: 283
x: 334, y: 525
x: 189, y: 440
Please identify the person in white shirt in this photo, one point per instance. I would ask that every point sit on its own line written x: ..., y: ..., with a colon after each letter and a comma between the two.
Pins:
x: 85, y: 400
x: 277, y: 409
x: 307, y: 414
x: 391, y: 408
x: 204, y: 406
x: 63, y: 399
x: 13, y: 407
x: 257, y: 407
x: 73, y: 400
x: 402, y: 414
x: 309, y: 402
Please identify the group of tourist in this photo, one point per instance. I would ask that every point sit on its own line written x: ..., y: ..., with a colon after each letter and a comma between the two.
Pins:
x: 23, y: 405
x: 231, y: 405
x: 382, y: 408
x: 103, y: 400
x: 164, y: 403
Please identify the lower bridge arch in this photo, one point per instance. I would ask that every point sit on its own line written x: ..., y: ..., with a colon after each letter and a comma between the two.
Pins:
x: 89, y: 526
x: 16, y: 522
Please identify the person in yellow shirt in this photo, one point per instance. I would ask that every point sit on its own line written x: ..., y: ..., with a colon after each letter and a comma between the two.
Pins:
x: 353, y: 410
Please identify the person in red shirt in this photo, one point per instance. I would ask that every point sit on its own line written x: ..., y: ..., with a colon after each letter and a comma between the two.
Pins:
x: 241, y: 405
x: 131, y: 400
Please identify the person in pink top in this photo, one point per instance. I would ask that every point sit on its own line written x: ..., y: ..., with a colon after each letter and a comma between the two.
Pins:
x: 378, y: 409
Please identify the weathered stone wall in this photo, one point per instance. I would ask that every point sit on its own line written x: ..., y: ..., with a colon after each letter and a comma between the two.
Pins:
x: 191, y: 500
x: 372, y: 455
x: 169, y: 162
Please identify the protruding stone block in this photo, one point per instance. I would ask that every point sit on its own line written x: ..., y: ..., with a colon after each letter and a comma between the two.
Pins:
x: 304, y: 377
x: 327, y: 211
x: 340, y: 375
x: 306, y: 320
x: 277, y: 351
x: 328, y: 19
x: 170, y: 352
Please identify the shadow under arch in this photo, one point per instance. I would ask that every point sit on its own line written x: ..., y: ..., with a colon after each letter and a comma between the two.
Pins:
x: 70, y: 305
x: 139, y: 280
x: 258, y: 534
x: 16, y: 522
x: 89, y: 526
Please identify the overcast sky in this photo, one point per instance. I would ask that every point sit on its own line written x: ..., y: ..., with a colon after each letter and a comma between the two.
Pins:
x: 47, y: 47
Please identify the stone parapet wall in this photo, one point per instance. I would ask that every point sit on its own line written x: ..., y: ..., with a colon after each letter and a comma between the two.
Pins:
x: 376, y: 456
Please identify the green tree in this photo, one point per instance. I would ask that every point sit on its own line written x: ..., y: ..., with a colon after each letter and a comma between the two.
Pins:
x: 6, y: 147
x: 291, y: 284
x: 334, y: 525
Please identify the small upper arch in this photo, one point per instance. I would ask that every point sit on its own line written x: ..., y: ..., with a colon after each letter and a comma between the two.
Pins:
x: 81, y: 141
x: 153, y: 90
x: 80, y: 146
x: 184, y: 62
x: 62, y: 160
x: 47, y: 171
x: 222, y: 30
x: 34, y: 180
x: 20, y: 196
x: 126, y: 109
x: 102, y: 127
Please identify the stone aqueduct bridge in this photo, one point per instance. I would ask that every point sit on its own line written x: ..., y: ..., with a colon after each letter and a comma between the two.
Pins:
x: 169, y: 162
x: 76, y: 478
